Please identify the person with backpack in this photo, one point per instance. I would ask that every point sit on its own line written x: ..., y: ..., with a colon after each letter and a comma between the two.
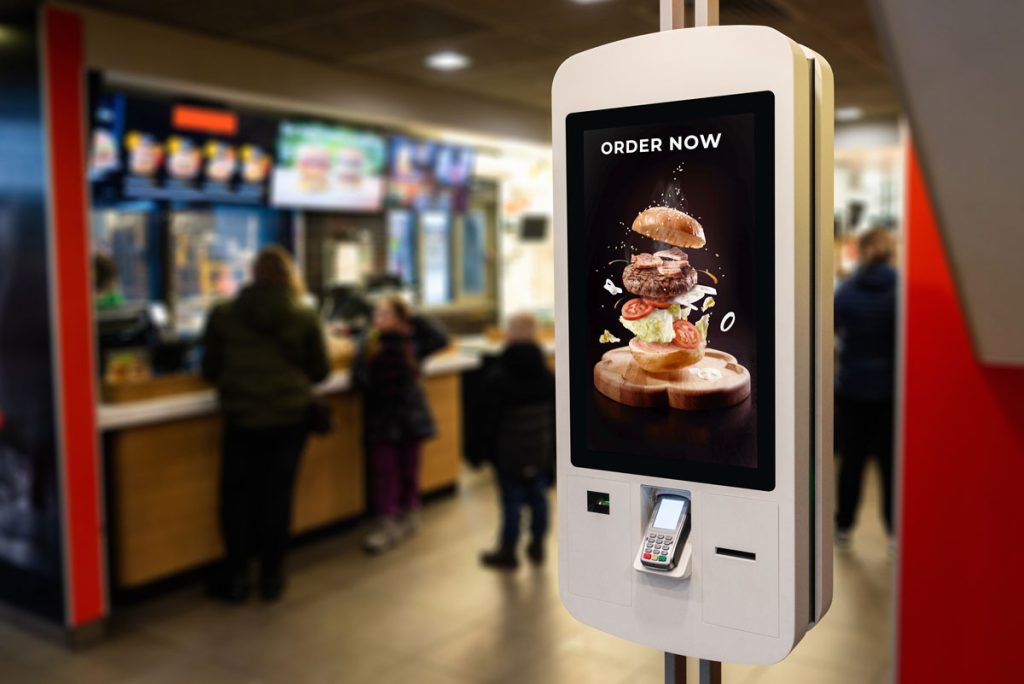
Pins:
x: 517, y: 435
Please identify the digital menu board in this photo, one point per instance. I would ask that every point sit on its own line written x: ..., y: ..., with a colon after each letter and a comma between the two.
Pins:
x: 429, y: 175
x: 141, y: 148
x: 327, y: 166
x: 671, y: 311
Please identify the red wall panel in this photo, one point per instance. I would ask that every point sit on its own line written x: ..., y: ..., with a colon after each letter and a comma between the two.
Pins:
x: 961, y: 597
x: 83, y: 533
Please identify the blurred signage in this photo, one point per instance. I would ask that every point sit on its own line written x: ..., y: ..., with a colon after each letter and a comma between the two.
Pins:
x: 147, y: 148
x: 429, y: 175
x: 216, y: 121
x: 326, y: 166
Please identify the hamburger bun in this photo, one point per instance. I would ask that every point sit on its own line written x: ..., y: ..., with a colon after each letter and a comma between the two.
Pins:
x: 654, y: 357
x: 669, y: 225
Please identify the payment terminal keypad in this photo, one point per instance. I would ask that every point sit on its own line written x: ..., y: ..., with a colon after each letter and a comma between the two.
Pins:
x: 662, y: 544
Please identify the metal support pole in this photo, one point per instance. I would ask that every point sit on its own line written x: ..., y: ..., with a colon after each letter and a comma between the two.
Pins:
x: 673, y: 16
x: 705, y: 13
x: 675, y: 669
x: 710, y: 672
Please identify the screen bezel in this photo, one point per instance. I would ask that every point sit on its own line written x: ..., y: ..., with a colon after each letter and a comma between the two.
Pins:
x: 762, y: 105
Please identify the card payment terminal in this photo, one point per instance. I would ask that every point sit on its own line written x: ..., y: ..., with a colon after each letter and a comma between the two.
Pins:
x: 666, y: 534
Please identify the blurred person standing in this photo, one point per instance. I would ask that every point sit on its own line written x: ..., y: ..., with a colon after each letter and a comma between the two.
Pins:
x: 396, y: 415
x: 517, y: 435
x: 264, y: 350
x: 865, y: 326
x: 106, y: 285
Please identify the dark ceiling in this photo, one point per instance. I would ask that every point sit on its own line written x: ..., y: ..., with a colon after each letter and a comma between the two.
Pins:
x: 515, y: 45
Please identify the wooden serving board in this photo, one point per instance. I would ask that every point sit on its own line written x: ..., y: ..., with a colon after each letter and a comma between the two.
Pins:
x: 716, y: 381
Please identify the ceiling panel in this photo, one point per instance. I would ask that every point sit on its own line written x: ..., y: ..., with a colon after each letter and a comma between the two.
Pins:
x: 515, y: 45
x: 227, y: 17
x: 387, y: 27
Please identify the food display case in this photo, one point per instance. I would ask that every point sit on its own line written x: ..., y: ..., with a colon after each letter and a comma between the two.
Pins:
x: 210, y: 251
x: 126, y: 234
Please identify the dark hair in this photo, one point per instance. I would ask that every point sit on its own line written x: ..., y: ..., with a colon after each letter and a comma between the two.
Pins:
x: 274, y: 266
x: 104, y: 271
x: 876, y: 246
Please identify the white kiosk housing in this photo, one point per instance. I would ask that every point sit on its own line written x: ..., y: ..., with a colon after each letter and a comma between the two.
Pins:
x: 727, y: 435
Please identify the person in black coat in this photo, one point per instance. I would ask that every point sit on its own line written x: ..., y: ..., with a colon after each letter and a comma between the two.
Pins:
x: 396, y: 416
x: 517, y: 435
x: 865, y: 325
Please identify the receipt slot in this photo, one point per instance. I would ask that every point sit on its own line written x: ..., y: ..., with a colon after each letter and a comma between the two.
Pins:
x: 693, y: 215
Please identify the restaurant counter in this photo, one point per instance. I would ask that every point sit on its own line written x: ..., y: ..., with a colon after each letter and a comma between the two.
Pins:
x: 163, y: 461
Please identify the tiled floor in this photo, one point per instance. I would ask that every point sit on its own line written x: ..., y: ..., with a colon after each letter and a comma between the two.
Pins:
x: 427, y: 614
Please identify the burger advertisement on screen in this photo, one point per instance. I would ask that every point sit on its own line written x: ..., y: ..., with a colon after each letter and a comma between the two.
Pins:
x: 328, y: 166
x: 663, y: 224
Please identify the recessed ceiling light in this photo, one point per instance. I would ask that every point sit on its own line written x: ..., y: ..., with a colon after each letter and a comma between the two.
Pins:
x: 447, y: 60
x: 849, y: 113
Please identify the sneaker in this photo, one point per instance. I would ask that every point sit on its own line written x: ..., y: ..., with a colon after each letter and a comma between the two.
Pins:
x: 844, y: 540
x: 384, y: 537
x: 409, y: 523
x: 535, y: 551
x: 502, y: 559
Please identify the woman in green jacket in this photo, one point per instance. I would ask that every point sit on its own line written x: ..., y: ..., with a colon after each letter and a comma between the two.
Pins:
x: 264, y: 350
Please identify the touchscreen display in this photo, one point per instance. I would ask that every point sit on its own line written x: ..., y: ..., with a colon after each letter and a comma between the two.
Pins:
x: 668, y: 514
x: 671, y: 275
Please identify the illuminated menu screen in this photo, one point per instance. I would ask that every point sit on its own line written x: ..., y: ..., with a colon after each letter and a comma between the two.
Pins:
x: 429, y: 175
x: 140, y: 150
x: 671, y: 276
x: 326, y: 166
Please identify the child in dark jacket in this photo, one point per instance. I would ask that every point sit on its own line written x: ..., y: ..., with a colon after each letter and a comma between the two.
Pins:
x: 517, y: 435
x: 396, y: 416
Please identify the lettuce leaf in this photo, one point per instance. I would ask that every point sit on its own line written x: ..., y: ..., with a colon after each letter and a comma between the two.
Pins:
x: 654, y: 327
x: 702, y: 326
x: 680, y: 312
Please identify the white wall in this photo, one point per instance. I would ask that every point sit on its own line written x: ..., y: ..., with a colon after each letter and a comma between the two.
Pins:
x: 872, y: 134
x: 527, y: 268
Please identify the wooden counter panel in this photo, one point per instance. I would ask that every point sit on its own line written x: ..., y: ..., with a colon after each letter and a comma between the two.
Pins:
x: 165, y: 484
x: 165, y: 480
x: 331, y: 481
x: 442, y: 453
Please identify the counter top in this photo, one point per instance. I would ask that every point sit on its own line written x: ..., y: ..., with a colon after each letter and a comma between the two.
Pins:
x: 191, y: 404
x: 481, y: 344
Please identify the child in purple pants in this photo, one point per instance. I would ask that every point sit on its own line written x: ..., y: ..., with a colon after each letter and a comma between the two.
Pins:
x: 396, y: 416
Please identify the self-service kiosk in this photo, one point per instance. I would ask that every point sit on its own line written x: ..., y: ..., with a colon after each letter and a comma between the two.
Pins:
x: 693, y: 213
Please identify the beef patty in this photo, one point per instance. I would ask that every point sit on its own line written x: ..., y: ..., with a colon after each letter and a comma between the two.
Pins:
x: 648, y: 282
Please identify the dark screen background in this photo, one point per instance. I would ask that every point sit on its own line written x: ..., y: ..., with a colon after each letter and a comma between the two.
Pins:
x: 719, y: 187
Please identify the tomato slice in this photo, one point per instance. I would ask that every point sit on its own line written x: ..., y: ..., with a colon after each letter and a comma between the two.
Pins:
x: 687, y: 335
x: 635, y: 309
x: 659, y: 303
